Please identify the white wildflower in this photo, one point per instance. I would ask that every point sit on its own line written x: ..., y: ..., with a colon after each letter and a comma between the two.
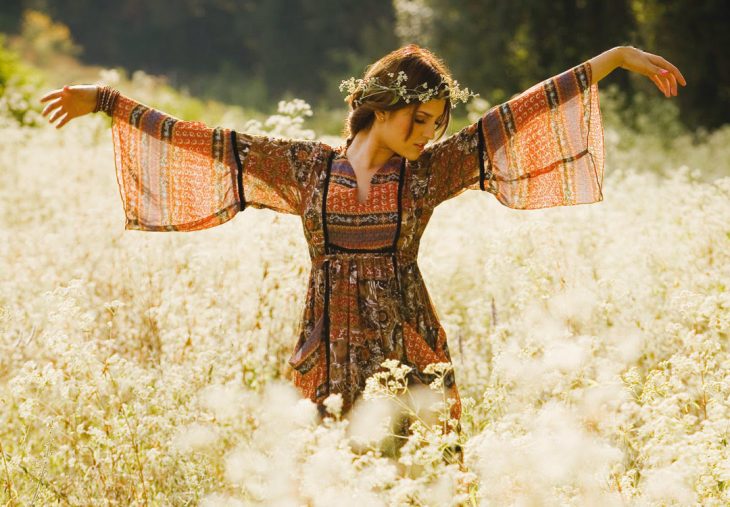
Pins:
x: 194, y: 437
x: 333, y: 404
x: 225, y: 401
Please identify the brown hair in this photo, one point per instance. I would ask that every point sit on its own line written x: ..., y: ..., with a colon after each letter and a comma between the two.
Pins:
x: 420, y: 65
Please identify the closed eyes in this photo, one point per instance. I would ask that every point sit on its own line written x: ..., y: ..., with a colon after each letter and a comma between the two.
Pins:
x: 438, y: 124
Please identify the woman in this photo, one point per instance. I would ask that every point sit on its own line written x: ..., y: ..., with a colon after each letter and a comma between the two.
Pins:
x: 364, y: 205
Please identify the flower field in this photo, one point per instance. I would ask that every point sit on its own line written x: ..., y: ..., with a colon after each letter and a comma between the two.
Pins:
x: 590, y: 345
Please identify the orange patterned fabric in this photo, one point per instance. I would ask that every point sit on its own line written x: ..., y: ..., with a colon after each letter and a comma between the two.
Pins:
x: 173, y: 175
x: 541, y: 149
x: 366, y: 299
x: 371, y: 225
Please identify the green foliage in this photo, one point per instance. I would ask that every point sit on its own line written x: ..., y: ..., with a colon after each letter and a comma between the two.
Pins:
x: 19, y: 85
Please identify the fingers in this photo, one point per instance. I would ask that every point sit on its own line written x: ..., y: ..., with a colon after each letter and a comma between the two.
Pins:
x: 659, y: 83
x: 64, y: 121
x: 673, y: 83
x: 658, y: 60
x: 51, y: 95
x: 56, y: 114
x: 667, y: 79
x: 670, y: 81
x: 666, y: 85
x: 662, y: 73
x: 50, y: 106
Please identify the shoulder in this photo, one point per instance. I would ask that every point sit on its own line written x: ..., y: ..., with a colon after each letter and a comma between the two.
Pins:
x: 454, y: 146
x: 294, y: 151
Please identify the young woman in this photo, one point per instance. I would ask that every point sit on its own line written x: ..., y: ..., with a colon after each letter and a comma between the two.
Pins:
x: 364, y: 205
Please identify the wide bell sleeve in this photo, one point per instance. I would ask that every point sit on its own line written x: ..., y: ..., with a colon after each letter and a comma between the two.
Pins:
x: 540, y: 149
x: 177, y: 175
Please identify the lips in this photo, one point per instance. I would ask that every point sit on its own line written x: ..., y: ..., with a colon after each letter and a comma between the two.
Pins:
x: 421, y: 146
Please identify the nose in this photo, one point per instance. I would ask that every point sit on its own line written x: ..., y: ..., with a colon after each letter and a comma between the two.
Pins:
x: 430, y: 131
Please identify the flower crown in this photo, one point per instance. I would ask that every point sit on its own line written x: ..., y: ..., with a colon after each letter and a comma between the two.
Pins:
x: 372, y: 86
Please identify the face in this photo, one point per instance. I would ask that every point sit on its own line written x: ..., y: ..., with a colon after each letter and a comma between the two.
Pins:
x: 394, y: 128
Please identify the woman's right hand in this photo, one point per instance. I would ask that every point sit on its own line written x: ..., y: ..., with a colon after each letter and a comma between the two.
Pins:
x: 70, y: 102
x: 664, y: 75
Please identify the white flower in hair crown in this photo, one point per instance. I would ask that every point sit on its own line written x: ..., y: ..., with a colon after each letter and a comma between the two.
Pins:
x: 372, y: 86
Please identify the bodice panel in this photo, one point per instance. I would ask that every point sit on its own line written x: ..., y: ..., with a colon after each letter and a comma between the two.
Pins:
x: 353, y: 226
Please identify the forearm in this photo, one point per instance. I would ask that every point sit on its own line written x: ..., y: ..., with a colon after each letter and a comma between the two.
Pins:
x: 603, y: 64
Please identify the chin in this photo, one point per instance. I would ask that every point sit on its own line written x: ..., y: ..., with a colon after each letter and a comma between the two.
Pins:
x: 413, y: 156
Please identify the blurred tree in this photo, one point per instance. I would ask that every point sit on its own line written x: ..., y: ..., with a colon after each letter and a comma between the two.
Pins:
x: 42, y: 40
x: 502, y: 48
x: 694, y: 36
x: 254, y: 52
x: 295, y: 47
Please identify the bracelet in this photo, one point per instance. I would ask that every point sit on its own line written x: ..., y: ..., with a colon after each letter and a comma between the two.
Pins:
x: 106, y: 97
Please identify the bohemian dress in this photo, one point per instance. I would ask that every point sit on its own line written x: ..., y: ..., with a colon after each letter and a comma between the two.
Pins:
x: 366, y: 299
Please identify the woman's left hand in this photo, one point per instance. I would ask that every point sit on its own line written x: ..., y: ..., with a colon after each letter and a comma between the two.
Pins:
x: 664, y: 75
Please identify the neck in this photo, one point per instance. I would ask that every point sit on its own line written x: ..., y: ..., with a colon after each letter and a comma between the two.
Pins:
x: 366, y: 150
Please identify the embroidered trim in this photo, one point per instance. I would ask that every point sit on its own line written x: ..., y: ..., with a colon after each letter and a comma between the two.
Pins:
x: 400, y: 204
x: 239, y: 173
x: 326, y: 267
x: 324, y: 202
x: 480, y: 150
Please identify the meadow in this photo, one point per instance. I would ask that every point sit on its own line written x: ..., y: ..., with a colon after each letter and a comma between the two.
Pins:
x: 589, y: 343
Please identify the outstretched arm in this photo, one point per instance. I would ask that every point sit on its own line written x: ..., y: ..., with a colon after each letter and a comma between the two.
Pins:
x: 543, y: 147
x: 662, y: 73
x: 178, y: 175
x: 173, y: 175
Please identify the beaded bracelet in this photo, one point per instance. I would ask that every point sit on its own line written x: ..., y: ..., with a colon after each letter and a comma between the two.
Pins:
x: 106, y: 97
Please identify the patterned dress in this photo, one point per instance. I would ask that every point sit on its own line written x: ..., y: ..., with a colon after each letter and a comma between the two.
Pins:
x: 366, y: 299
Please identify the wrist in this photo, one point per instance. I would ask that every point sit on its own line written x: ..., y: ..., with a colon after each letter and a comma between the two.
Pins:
x: 97, y: 101
x: 619, y: 54
x: 604, y: 63
x: 106, y: 98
